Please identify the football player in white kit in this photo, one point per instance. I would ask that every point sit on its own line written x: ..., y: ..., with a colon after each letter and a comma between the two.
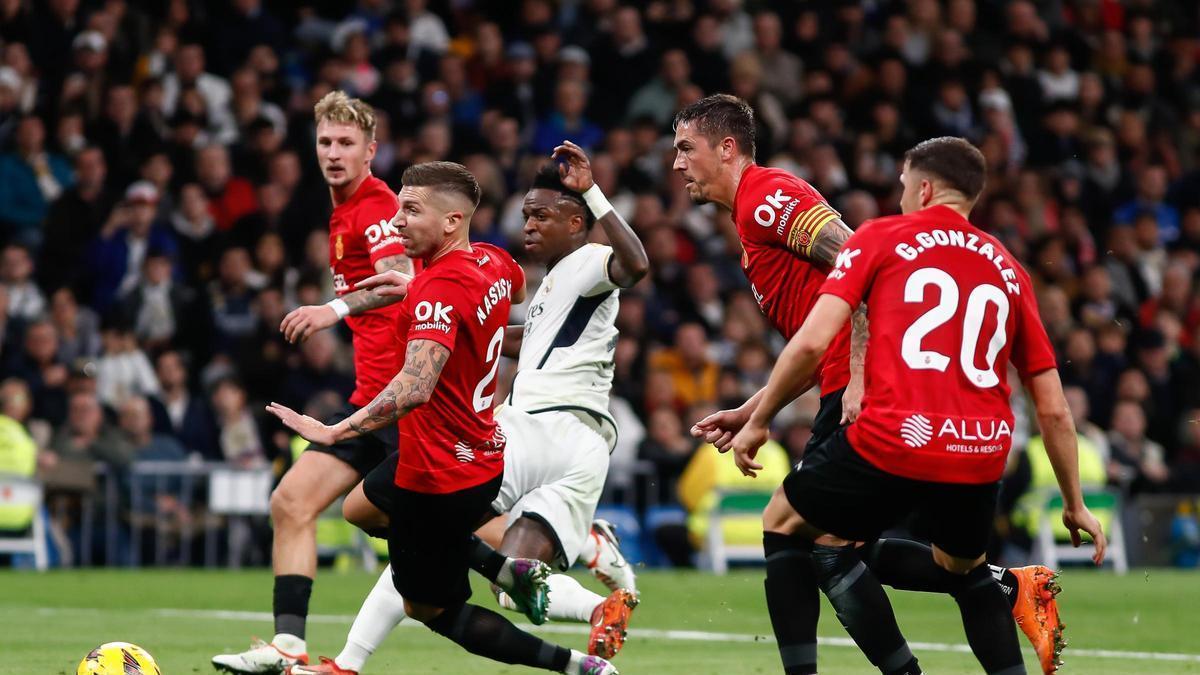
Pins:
x: 556, y: 421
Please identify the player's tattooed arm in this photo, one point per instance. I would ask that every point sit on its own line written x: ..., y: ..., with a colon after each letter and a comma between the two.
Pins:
x: 859, y: 333
x: 412, y: 387
x: 828, y: 241
x: 366, y: 299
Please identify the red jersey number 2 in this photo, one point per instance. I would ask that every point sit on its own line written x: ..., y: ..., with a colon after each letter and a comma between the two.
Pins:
x: 493, y: 356
x: 947, y: 307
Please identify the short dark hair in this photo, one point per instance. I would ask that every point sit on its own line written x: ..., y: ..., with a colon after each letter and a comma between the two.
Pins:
x: 445, y: 177
x: 548, y: 178
x: 952, y: 160
x: 719, y: 116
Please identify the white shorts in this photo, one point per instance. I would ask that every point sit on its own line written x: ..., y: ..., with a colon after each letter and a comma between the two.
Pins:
x: 554, y: 471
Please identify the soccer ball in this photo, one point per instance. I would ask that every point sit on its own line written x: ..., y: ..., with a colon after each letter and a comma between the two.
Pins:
x: 118, y: 658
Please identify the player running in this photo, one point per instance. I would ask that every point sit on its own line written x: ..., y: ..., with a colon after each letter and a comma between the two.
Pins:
x: 362, y: 242
x: 790, y: 239
x: 556, y: 422
x: 432, y: 494
x: 949, y: 308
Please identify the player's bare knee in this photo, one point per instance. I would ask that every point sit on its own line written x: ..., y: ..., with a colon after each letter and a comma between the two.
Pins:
x: 289, y: 508
x: 422, y: 613
x: 954, y: 564
x: 361, y: 513
x: 779, y: 516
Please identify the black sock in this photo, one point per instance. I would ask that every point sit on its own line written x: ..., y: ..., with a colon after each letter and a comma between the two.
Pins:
x: 485, y: 559
x: 486, y: 633
x: 291, y: 603
x: 987, y: 620
x: 792, y: 600
x: 1008, y: 583
x: 863, y: 608
x: 908, y: 566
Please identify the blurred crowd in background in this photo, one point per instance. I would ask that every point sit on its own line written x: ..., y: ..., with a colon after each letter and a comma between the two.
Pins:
x: 161, y: 209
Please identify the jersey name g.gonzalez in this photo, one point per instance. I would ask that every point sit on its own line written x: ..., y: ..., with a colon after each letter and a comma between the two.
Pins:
x: 949, y: 309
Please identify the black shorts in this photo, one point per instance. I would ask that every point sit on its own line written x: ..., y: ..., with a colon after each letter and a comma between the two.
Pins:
x: 429, y: 535
x: 825, y: 424
x: 840, y: 492
x: 361, y: 452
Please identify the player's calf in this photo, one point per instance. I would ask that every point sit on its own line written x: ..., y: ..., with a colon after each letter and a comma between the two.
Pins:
x: 792, y: 600
x: 863, y: 608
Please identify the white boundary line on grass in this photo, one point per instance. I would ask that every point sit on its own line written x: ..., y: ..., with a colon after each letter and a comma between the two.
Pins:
x: 651, y: 633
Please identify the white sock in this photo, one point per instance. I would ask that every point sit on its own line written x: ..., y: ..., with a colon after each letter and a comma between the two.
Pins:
x: 289, y: 644
x: 569, y: 601
x: 505, y: 578
x: 382, y: 611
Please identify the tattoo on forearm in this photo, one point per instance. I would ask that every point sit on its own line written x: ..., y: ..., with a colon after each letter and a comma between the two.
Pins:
x: 828, y: 241
x: 423, y: 363
x: 859, y: 333
x: 369, y: 298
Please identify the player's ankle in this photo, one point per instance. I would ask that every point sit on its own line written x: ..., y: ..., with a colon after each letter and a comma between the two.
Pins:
x: 576, y: 661
x: 289, y: 644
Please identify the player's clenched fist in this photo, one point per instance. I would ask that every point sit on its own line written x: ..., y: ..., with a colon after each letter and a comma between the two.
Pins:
x: 304, y: 321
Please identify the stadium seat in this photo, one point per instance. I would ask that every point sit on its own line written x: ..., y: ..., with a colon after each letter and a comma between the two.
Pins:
x: 656, y: 517
x: 22, y: 492
x: 629, y: 530
x: 239, y: 495
x: 1053, y: 543
x: 732, y: 507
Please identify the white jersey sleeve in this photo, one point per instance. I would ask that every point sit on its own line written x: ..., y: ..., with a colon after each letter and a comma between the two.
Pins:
x: 593, y: 269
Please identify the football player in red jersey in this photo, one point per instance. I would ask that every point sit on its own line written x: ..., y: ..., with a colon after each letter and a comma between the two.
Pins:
x: 949, y: 308
x: 790, y: 239
x: 439, y: 487
x: 362, y: 241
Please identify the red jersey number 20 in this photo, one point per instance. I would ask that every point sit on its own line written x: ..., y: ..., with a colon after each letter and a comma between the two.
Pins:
x: 977, y: 305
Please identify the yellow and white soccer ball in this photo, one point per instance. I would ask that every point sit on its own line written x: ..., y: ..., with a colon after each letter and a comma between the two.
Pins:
x: 118, y: 658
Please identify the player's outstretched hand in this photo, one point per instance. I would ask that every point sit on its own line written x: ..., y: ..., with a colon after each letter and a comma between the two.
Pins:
x: 304, y: 321
x: 576, y: 173
x: 1082, y: 519
x: 387, y: 282
x: 745, y: 447
x: 308, y: 427
x: 720, y: 427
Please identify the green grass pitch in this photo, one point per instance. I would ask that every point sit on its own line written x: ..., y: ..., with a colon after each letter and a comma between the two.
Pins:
x: 693, y: 623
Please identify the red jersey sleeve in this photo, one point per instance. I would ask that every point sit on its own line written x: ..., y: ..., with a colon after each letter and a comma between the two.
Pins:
x: 436, y: 310
x: 786, y: 212
x: 1032, y: 352
x: 374, y: 219
x: 855, y: 268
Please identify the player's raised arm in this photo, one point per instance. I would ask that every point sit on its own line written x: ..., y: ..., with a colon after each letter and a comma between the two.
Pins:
x: 394, y: 271
x: 412, y: 387
x: 629, y: 262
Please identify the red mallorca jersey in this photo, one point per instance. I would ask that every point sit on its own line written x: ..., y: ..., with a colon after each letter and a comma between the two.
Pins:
x: 360, y: 233
x: 460, y: 301
x: 949, y: 309
x: 778, y: 217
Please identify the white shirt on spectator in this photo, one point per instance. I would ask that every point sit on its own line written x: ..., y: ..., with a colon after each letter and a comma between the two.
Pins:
x: 124, y: 374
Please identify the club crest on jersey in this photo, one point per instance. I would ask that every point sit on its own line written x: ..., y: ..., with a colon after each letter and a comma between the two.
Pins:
x: 339, y: 249
x: 916, y: 431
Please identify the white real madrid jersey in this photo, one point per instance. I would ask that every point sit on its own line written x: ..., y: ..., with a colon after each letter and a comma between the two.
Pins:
x: 566, y: 360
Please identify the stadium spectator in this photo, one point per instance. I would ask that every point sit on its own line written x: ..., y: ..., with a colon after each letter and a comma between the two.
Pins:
x: 26, y: 301
x: 131, y: 232
x: 241, y: 434
x: 88, y: 437
x: 1136, y: 464
x: 31, y: 178
x: 123, y: 369
x: 692, y: 371
x: 179, y: 413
